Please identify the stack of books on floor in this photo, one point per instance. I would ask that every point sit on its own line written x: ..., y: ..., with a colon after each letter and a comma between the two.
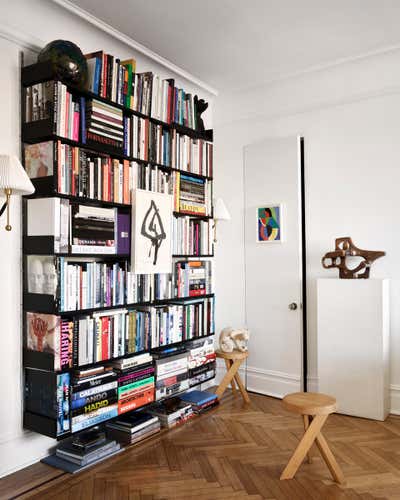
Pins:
x: 172, y: 411
x: 133, y: 427
x: 83, y: 450
x: 201, y: 401
x: 104, y: 124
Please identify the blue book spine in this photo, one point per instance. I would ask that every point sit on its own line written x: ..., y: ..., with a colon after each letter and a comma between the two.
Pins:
x: 97, y: 71
x: 83, y: 120
x: 113, y: 412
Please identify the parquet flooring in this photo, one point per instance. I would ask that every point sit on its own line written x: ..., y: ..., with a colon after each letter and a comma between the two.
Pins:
x: 234, y: 452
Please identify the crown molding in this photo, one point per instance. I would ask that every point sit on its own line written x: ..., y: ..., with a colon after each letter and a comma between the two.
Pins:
x: 20, y: 38
x: 78, y: 11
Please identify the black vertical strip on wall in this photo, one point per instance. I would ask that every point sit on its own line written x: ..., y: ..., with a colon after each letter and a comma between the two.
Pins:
x: 303, y: 263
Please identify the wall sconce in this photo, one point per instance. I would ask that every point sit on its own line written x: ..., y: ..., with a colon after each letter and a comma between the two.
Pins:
x: 220, y: 213
x: 13, y: 180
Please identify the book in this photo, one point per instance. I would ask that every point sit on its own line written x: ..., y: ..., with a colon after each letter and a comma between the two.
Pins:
x: 198, y: 398
x: 70, y: 467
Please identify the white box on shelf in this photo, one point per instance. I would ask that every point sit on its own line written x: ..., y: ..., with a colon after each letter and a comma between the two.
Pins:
x: 353, y: 344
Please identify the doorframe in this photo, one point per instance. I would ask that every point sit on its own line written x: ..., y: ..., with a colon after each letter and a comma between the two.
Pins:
x: 303, y: 265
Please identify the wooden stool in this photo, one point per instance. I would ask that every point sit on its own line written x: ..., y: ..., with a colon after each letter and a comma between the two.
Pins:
x: 315, y: 409
x: 233, y: 360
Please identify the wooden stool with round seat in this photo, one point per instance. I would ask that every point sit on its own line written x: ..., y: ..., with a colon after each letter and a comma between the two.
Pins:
x: 315, y: 409
x: 233, y: 360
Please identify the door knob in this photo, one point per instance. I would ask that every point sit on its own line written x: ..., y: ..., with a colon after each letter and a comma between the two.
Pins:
x: 293, y: 306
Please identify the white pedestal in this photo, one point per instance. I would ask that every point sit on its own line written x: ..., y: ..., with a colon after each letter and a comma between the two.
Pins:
x: 353, y: 345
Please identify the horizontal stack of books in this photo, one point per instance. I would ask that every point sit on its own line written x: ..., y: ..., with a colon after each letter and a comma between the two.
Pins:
x: 201, y: 401
x: 81, y: 451
x: 192, y: 195
x: 171, y: 374
x: 172, y: 411
x: 201, y: 361
x: 94, y: 397
x: 193, y: 278
x: 104, y: 124
x: 135, y: 385
x: 93, y: 229
x: 133, y: 427
x: 192, y: 236
x: 111, y: 78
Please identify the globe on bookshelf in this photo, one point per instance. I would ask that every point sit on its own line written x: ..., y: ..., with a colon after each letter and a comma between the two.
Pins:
x: 69, y: 63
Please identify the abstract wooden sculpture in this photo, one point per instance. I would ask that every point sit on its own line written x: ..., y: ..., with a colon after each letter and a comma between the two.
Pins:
x: 344, y: 247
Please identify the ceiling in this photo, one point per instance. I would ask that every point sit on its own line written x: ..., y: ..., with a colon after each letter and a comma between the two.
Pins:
x: 234, y: 44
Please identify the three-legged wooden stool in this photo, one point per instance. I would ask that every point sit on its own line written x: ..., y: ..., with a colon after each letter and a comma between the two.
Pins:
x: 233, y: 360
x: 315, y: 409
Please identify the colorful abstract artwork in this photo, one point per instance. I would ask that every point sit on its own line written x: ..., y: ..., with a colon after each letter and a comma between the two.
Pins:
x: 269, y: 224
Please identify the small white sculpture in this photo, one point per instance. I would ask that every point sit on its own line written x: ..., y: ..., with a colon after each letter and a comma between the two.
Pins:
x: 230, y: 339
x: 50, y: 277
x: 35, y: 276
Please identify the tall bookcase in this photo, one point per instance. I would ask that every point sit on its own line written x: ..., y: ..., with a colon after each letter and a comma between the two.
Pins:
x: 45, y: 376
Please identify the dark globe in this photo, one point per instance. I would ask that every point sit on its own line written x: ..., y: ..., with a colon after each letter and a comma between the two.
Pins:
x: 69, y: 64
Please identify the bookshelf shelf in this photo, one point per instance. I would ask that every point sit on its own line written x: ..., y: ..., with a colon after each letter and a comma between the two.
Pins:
x: 105, y: 170
x: 40, y: 72
x: 41, y: 131
x: 47, y: 305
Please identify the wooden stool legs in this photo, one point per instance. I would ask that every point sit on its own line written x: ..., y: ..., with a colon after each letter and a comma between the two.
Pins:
x: 313, y: 433
x: 232, y: 376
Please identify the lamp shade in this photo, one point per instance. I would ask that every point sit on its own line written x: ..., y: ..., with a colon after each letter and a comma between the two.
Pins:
x: 13, y: 176
x: 220, y: 210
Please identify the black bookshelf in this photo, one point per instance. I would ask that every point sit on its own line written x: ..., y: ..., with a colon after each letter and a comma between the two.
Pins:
x: 46, y: 187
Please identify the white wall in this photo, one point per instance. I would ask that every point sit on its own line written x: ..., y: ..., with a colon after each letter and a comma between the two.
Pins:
x: 37, y: 22
x: 350, y: 118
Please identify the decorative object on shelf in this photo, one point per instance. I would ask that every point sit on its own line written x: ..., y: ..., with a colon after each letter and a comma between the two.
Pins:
x: 200, y: 105
x: 345, y: 248
x: 220, y: 213
x: 69, y: 63
x: 13, y: 180
x: 231, y: 339
x: 269, y: 223
x: 151, y: 232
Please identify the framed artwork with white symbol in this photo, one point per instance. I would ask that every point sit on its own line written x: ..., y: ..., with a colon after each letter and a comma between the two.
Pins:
x: 151, y: 232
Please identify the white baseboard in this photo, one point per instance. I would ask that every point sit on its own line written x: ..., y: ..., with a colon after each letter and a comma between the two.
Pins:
x: 395, y: 399
x: 272, y: 383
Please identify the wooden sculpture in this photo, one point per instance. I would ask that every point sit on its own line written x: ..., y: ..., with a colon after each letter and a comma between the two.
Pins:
x: 344, y: 247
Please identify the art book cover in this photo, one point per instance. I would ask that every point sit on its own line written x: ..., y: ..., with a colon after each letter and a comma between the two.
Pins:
x: 43, y: 334
x: 39, y: 159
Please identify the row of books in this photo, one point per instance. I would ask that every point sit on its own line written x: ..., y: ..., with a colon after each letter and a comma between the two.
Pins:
x: 192, y: 195
x: 84, y: 340
x: 76, y: 228
x: 111, y: 78
x: 193, y: 278
x: 147, y: 93
x: 184, y: 321
x: 192, y: 236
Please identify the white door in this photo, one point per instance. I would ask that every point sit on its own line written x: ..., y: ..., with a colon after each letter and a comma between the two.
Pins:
x: 274, y: 305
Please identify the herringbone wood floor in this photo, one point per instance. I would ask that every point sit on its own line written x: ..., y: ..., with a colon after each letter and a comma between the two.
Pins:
x: 235, y: 452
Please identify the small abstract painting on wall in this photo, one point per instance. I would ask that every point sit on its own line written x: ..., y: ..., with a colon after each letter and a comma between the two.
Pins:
x: 269, y: 223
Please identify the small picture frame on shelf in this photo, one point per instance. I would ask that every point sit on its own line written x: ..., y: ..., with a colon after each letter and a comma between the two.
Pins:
x: 270, y: 223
